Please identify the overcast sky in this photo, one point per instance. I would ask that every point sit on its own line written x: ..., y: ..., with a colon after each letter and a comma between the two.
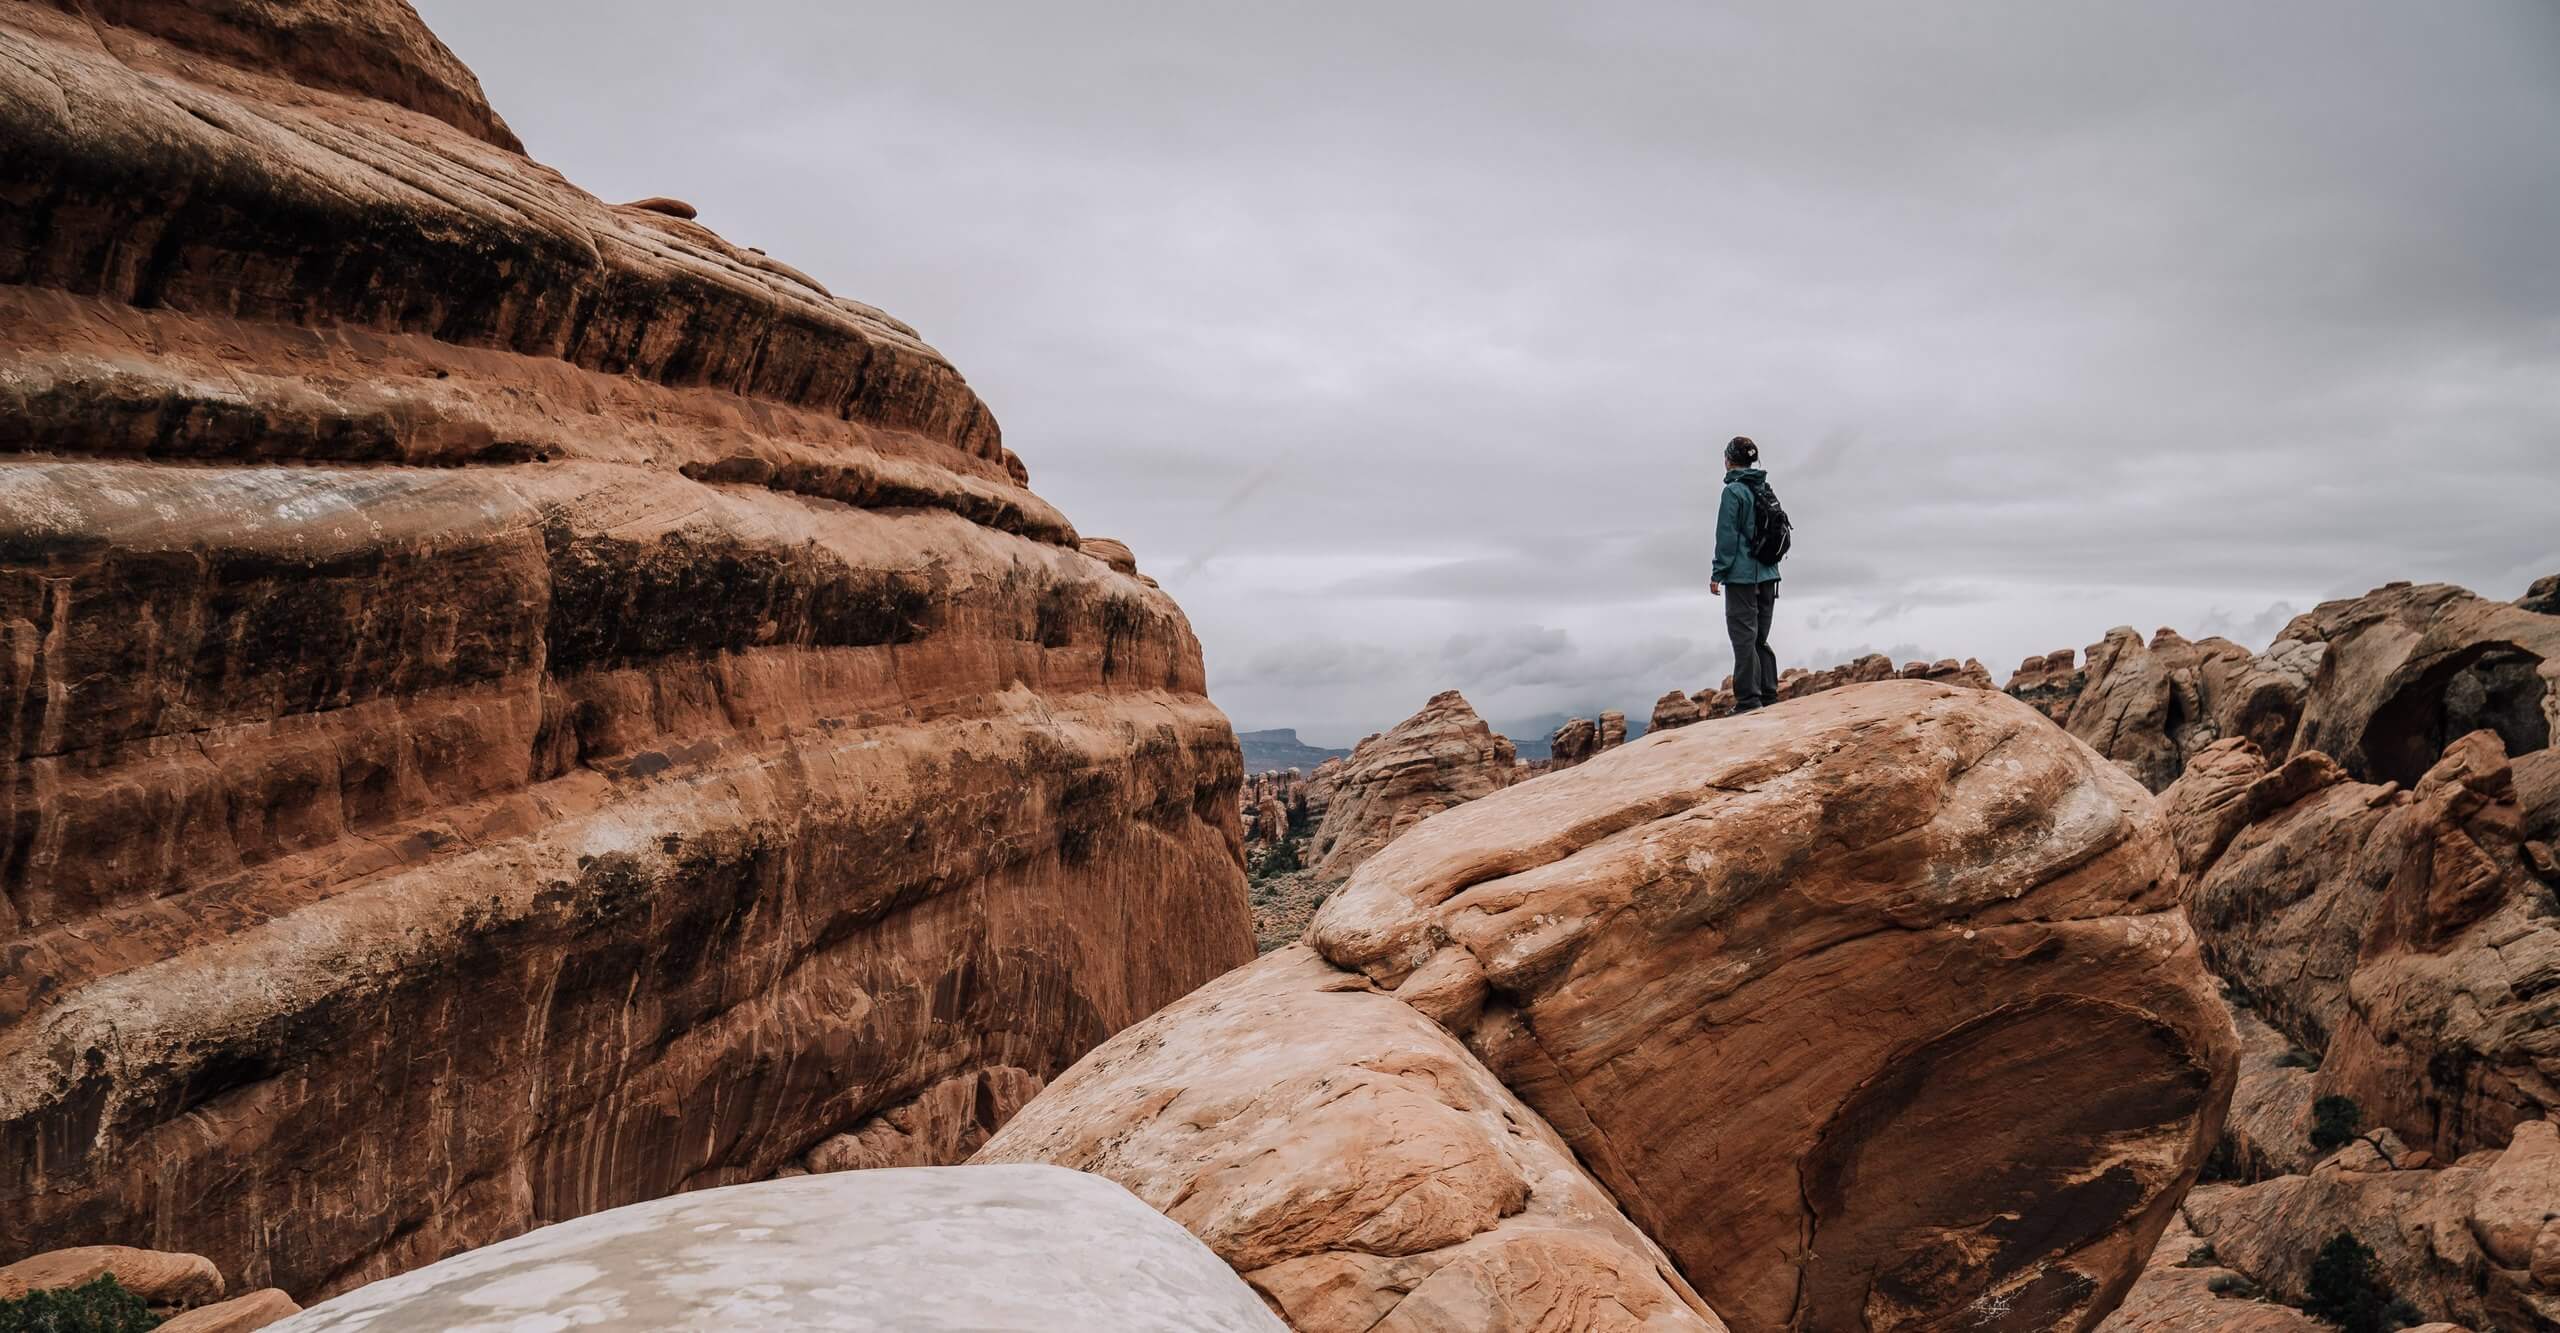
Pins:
x: 1398, y: 338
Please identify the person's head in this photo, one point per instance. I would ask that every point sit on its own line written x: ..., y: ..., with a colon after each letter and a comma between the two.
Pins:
x: 1741, y: 452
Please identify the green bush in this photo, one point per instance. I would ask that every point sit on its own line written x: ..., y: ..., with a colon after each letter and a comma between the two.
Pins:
x: 2296, y: 1058
x: 2348, y: 1290
x: 1280, y: 858
x: 2334, y: 1121
x: 100, y: 1305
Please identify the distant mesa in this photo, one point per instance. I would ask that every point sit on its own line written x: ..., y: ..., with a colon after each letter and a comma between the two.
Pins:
x: 1278, y: 748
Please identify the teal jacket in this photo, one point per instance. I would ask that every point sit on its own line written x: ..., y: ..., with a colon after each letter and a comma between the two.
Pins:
x: 1735, y: 518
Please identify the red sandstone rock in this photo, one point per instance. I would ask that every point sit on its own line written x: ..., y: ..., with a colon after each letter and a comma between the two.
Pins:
x: 2426, y: 1228
x: 517, y: 705
x: 1573, y: 742
x: 1353, y: 1162
x: 1673, y: 710
x: 1870, y: 920
x: 1612, y: 731
x: 2398, y: 935
x: 2050, y: 684
x: 2411, y: 669
x: 1438, y: 758
x: 158, y: 1277
x: 2153, y: 707
x: 1872, y: 667
x: 951, y: 1120
x: 2182, y: 1291
x: 241, y: 1314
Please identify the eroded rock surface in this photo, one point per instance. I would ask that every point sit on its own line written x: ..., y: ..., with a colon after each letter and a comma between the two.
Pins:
x: 2412, y: 668
x: 1353, y: 1162
x: 515, y: 705
x: 1960, y: 1055
x: 2435, y: 1233
x: 1440, y: 757
x: 1014, y: 1249
x: 2399, y: 936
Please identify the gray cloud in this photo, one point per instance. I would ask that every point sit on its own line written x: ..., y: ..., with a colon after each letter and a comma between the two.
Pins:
x: 1375, y: 327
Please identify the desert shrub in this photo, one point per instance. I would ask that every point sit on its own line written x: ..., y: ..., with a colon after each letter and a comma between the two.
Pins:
x: 100, y: 1305
x: 2222, y: 1163
x: 2347, y: 1289
x: 2334, y: 1121
x: 2295, y: 1057
x: 1280, y: 858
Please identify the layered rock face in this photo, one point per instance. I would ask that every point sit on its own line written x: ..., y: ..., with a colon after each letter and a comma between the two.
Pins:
x: 515, y: 705
x: 936, y: 1250
x: 1443, y: 756
x: 1874, y: 1010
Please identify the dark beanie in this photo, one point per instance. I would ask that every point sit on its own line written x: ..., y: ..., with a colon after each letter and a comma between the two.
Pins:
x: 1742, y: 452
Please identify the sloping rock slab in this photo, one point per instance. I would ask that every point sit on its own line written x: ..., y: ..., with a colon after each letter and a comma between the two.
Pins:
x: 912, y: 1250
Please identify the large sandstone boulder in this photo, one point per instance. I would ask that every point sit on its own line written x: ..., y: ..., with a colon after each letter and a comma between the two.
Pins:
x: 2412, y: 668
x: 1001, y: 1248
x: 1440, y: 757
x: 1354, y: 1162
x: 2400, y: 936
x: 1873, y: 1008
x: 516, y: 705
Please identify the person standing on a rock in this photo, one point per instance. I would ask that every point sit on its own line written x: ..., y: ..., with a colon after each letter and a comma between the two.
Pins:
x: 1752, y: 534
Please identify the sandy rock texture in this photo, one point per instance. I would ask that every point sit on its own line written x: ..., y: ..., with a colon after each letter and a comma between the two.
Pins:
x: 1440, y: 757
x: 1960, y: 1055
x: 1004, y: 1249
x: 515, y: 705
x: 1353, y: 1162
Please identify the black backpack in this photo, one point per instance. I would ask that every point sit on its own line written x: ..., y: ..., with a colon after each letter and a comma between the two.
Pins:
x: 1772, y: 533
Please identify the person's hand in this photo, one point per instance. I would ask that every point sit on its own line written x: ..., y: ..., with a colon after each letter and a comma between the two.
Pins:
x: 1715, y: 589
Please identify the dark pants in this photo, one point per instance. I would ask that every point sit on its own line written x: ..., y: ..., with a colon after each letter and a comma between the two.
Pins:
x: 1747, y: 611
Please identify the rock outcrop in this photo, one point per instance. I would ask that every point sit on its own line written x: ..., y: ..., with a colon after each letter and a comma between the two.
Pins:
x: 936, y: 1250
x: 2185, y: 1290
x: 184, y: 1291
x: 1673, y: 709
x: 516, y: 705
x: 1353, y: 1162
x: 1578, y: 739
x: 2153, y: 706
x: 2455, y: 1242
x: 1872, y: 1010
x: 1876, y: 914
x: 2400, y: 936
x: 1440, y: 757
x: 2412, y: 668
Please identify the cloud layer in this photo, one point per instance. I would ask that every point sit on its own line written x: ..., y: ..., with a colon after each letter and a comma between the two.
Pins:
x: 1397, y: 339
